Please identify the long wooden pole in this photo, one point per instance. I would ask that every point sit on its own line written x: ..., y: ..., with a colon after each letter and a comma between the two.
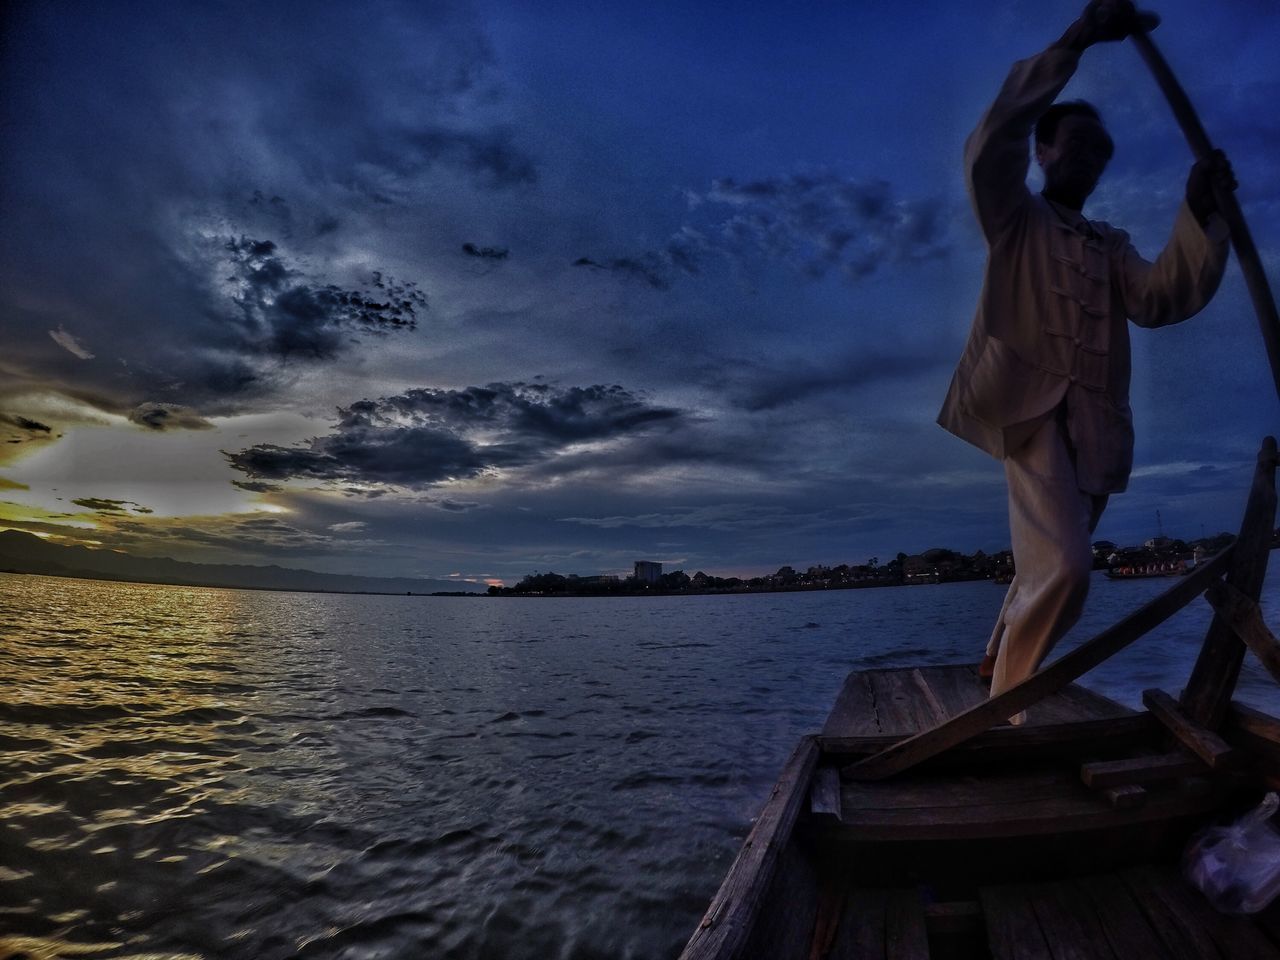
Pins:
x: 1255, y: 278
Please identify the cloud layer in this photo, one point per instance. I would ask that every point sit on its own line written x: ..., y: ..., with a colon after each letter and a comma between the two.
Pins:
x: 815, y: 224
x: 426, y: 436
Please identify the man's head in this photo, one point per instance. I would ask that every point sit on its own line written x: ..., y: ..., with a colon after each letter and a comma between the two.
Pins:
x: 1072, y: 147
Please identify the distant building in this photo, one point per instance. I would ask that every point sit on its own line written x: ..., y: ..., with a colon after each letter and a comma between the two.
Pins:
x: 648, y: 571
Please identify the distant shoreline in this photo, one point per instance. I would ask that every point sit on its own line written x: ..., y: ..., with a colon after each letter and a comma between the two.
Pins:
x: 88, y: 575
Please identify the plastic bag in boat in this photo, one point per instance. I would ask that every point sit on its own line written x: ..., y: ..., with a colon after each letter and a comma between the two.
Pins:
x: 1237, y: 867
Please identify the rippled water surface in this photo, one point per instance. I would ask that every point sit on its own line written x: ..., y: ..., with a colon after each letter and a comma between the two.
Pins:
x: 191, y: 772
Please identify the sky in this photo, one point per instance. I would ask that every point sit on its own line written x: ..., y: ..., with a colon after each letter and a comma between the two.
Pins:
x: 483, y: 289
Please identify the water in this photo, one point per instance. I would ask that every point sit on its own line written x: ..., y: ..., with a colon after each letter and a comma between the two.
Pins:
x: 191, y: 772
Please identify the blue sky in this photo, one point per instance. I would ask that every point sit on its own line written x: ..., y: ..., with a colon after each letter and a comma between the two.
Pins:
x: 483, y: 289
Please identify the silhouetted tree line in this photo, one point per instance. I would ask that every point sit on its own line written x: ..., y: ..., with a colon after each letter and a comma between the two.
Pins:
x: 938, y: 565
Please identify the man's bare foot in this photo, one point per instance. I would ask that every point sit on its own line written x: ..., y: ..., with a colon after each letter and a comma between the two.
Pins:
x: 987, y: 668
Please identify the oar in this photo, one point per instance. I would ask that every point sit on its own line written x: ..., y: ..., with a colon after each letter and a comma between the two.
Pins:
x: 1250, y: 264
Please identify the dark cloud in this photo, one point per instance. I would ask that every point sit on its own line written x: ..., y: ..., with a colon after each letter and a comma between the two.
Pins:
x: 25, y: 424
x: 719, y: 517
x: 649, y: 267
x: 256, y: 486
x: 281, y: 129
x: 490, y: 156
x: 756, y: 387
x: 425, y: 436
x: 485, y: 253
x: 168, y: 416
x: 103, y: 505
x: 16, y: 429
x: 282, y: 313
x: 458, y: 506
x: 814, y: 223
x: 823, y: 222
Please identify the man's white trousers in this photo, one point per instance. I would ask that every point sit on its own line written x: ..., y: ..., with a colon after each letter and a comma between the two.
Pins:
x: 1051, y: 521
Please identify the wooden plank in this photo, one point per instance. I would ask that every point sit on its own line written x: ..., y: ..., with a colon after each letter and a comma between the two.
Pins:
x: 1188, y: 915
x: 1122, y: 733
x: 905, y: 934
x: 1078, y: 812
x: 1182, y: 937
x: 1254, y: 731
x: 1213, y: 678
x: 937, y: 711
x: 784, y: 923
x: 854, y: 712
x: 941, y: 791
x: 1205, y: 744
x: 728, y: 921
x: 862, y: 927
x: 1055, y: 709
x: 827, y: 922
x: 1069, y: 924
x: 1013, y: 931
x: 1123, y: 922
x: 898, y: 702
x: 953, y: 917
x: 1146, y: 769
x: 1126, y: 796
x: 1251, y: 720
x: 957, y: 687
x: 1046, y: 681
x: 1093, y: 706
x: 1245, y: 618
x: 824, y: 795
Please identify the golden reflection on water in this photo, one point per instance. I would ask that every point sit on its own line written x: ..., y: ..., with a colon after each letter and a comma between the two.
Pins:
x: 118, y: 706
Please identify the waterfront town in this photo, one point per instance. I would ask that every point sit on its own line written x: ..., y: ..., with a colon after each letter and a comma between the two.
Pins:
x: 1159, y: 556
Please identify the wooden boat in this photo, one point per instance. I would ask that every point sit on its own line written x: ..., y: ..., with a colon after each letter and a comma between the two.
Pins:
x: 914, y: 825
x: 1148, y: 571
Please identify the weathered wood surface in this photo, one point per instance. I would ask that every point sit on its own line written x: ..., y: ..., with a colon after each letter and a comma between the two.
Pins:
x: 1213, y: 678
x: 1257, y: 733
x: 728, y: 921
x: 953, y: 917
x: 1126, y: 796
x: 1012, y: 928
x: 854, y: 712
x: 1047, y: 681
x: 1101, y: 774
x: 824, y: 795
x: 1260, y: 730
x: 784, y: 923
x: 1188, y: 925
x: 903, y: 701
x: 1121, y: 733
x: 881, y: 925
x: 1205, y: 744
x: 1245, y: 618
x: 1003, y: 804
x: 1135, y: 915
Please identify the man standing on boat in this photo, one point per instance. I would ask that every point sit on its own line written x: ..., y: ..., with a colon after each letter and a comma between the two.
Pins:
x: 1043, y: 383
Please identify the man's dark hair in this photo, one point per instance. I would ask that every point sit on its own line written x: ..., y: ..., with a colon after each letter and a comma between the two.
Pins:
x: 1047, y: 125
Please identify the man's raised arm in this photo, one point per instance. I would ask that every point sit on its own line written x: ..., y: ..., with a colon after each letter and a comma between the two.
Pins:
x: 997, y: 153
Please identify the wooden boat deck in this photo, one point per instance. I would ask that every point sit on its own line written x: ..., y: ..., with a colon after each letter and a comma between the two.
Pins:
x: 897, y: 703
x: 1135, y: 914
x: 1043, y: 794
x: 917, y: 825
